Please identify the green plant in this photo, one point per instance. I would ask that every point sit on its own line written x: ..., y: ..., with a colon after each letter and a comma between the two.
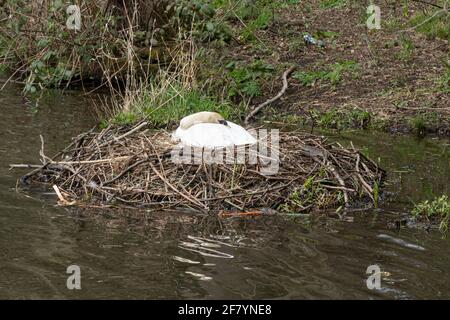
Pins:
x: 433, y: 26
x: 444, y: 80
x: 310, y: 78
x: 342, y: 118
x: 262, y: 21
x: 327, y: 4
x: 419, y: 124
x: 407, y: 48
x: 333, y: 75
x: 437, y: 208
x: 199, y: 18
x: 245, y: 80
x: 339, y: 68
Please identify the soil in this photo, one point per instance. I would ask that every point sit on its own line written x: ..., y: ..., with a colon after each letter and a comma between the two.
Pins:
x: 393, y: 90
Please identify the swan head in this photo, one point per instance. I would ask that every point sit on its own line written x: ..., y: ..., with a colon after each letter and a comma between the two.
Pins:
x: 202, y: 117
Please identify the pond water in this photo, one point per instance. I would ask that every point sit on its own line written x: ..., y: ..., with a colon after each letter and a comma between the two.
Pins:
x: 130, y: 254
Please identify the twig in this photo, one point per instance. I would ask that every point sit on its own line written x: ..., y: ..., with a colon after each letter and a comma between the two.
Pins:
x: 278, y: 96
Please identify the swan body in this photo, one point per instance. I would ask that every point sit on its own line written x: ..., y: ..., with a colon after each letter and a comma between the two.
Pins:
x: 210, y: 130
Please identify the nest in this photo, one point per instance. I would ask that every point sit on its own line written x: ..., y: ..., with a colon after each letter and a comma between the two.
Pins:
x: 138, y: 167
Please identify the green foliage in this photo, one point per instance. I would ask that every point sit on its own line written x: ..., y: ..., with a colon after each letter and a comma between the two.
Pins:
x: 47, y: 71
x: 310, y: 78
x: 437, y: 27
x: 123, y: 118
x: 438, y: 208
x: 262, y: 21
x: 303, y: 198
x: 407, y: 48
x: 333, y: 75
x: 341, y: 119
x: 327, y: 4
x: 176, y: 102
x: 444, y: 80
x: 311, y: 195
x: 419, y: 124
x: 423, y: 122
x: 199, y: 17
x: 245, y: 79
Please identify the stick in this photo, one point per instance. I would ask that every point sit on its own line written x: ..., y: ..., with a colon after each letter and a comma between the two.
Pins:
x: 143, y: 124
x: 92, y: 161
x: 278, y: 96
x: 194, y: 201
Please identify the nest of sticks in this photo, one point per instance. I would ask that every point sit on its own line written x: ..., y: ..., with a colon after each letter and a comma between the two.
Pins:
x: 135, y: 166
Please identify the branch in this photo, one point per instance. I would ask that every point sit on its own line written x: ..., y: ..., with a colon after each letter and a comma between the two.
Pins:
x: 278, y: 96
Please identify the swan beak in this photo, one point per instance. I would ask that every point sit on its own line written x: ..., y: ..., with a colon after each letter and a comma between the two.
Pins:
x: 223, y: 122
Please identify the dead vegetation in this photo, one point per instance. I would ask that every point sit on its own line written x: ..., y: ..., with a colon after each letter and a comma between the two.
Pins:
x: 134, y: 166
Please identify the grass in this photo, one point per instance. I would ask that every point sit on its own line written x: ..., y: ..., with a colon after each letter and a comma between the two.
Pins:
x: 244, y: 79
x: 444, y: 80
x: 328, y: 4
x: 164, y: 102
x: 438, y: 208
x: 407, y: 49
x: 423, y: 122
x: 311, y: 194
x: 262, y: 21
x: 334, y: 75
x: 437, y: 27
x: 339, y: 118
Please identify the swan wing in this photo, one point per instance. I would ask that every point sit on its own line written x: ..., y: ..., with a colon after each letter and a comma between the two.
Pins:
x: 211, y: 135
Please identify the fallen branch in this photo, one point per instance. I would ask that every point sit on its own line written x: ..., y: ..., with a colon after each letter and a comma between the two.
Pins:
x: 278, y: 96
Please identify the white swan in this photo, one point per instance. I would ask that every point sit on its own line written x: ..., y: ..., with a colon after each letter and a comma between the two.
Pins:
x: 210, y: 130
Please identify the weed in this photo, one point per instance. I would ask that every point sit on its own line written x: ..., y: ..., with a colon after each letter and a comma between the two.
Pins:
x: 438, y: 208
x: 341, y: 119
x: 444, y: 80
x: 245, y: 80
x: 311, y: 194
x: 437, y: 27
x: 328, y: 4
x: 334, y: 75
x: 262, y: 21
x: 407, y: 49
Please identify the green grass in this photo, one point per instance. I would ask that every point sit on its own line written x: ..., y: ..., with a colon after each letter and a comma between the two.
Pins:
x: 438, y: 27
x: 342, y: 119
x: 328, y: 4
x: 438, y: 208
x: 334, y: 75
x: 245, y: 79
x: 179, y: 105
x: 262, y: 21
x: 311, y: 194
x: 407, y: 49
x: 423, y: 122
x: 163, y: 107
x: 444, y: 80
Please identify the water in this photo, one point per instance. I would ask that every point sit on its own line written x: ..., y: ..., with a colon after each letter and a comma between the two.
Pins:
x: 129, y: 254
